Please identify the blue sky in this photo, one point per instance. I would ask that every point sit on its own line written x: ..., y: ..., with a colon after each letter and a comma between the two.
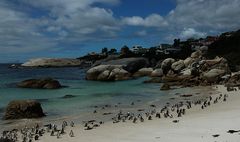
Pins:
x: 71, y: 28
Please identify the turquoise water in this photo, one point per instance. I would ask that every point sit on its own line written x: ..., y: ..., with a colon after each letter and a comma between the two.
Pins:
x: 88, y: 93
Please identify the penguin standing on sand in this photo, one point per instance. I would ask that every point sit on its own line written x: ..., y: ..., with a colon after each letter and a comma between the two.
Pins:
x: 72, y: 124
x: 71, y: 134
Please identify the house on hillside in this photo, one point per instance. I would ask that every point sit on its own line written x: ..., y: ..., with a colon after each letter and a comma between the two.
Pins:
x: 172, y: 51
x: 137, y: 49
x: 160, y: 49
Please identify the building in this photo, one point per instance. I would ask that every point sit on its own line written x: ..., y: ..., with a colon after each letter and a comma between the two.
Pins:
x: 160, y: 49
x: 137, y: 49
x: 172, y: 51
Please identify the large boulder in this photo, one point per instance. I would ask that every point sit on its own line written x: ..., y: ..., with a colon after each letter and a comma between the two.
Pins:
x: 222, y: 64
x: 119, y: 74
x: 107, y: 73
x: 213, y: 75
x: 23, y: 109
x: 105, y: 60
x: 103, y: 76
x: 166, y: 64
x: 232, y: 80
x: 46, y: 83
x: 215, y: 61
x: 188, y: 61
x: 143, y: 72
x: 196, y: 54
x: 93, y: 73
x: 157, y: 73
x: 119, y: 69
x: 178, y: 66
x: 158, y: 64
x: 136, y: 64
x: 186, y: 71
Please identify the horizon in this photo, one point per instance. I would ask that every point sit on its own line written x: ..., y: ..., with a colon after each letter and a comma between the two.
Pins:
x: 70, y: 28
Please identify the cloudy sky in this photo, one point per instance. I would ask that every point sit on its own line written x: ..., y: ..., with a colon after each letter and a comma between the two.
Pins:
x: 70, y: 28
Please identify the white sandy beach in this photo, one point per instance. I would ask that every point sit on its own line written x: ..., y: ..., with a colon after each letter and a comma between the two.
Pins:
x: 196, y: 126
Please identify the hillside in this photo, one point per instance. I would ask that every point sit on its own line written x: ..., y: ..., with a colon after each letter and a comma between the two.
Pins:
x: 227, y: 46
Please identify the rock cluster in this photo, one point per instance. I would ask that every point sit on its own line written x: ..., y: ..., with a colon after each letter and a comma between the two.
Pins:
x: 194, y: 70
x: 120, y: 69
x: 23, y: 109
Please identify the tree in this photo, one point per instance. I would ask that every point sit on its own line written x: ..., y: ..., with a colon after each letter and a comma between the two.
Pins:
x: 191, y: 39
x: 112, y: 51
x: 125, y: 51
x: 176, y: 43
x: 104, y: 50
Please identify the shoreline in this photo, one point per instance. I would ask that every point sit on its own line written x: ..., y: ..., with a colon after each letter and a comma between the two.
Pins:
x: 196, y: 125
x: 171, y: 96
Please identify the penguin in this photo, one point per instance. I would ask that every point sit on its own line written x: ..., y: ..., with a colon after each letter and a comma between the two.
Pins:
x: 135, y: 120
x: 72, y: 124
x: 71, y: 134
x: 150, y: 117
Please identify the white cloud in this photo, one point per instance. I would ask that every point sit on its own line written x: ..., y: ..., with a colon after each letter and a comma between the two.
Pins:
x: 191, y: 33
x: 219, y: 15
x: 141, y: 33
x: 153, y: 20
x: 66, y: 22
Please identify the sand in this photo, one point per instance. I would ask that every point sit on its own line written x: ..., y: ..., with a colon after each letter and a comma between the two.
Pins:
x: 196, y: 126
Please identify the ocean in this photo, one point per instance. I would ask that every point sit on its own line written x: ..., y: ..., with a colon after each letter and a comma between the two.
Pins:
x: 87, y: 93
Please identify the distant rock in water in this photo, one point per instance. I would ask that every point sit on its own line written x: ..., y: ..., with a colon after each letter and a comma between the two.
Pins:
x: 20, y: 109
x: 51, y: 62
x: 165, y: 87
x: 47, y: 83
x: 68, y: 96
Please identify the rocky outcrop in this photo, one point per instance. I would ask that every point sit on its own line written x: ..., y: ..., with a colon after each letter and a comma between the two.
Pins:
x: 47, y: 83
x: 193, y: 71
x: 51, y: 62
x: 121, y: 69
x: 23, y: 109
x: 93, y: 73
x: 107, y: 73
x: 143, y: 72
